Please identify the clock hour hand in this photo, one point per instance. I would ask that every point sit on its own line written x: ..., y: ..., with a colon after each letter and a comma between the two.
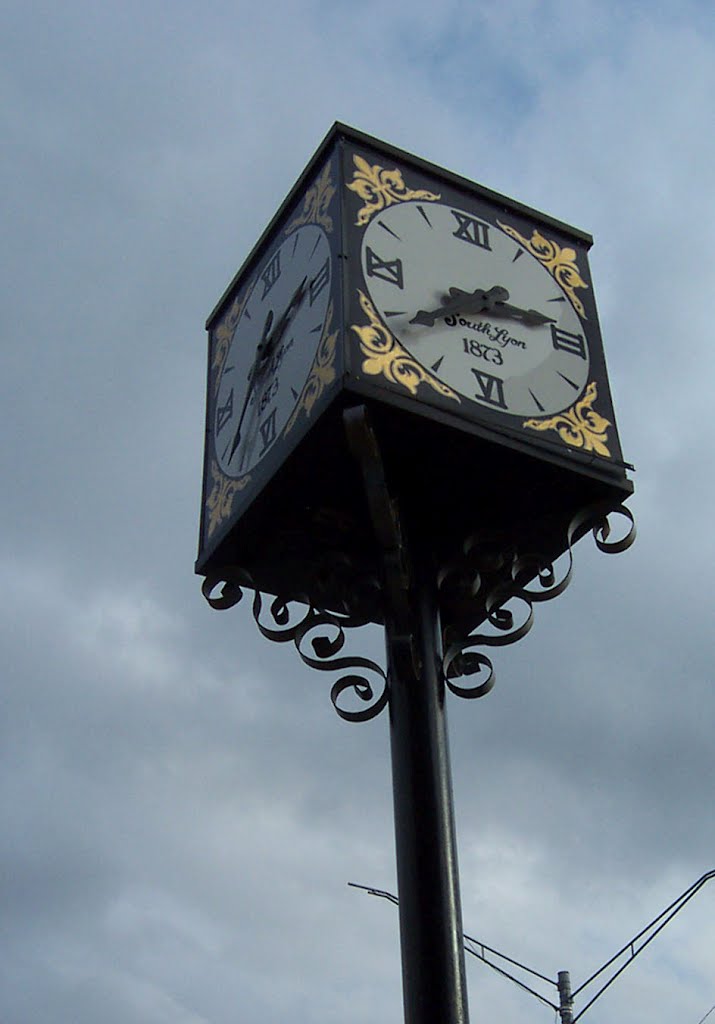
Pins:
x: 459, y: 301
x: 494, y: 302
x: 252, y: 374
x: 266, y: 347
x: 269, y: 344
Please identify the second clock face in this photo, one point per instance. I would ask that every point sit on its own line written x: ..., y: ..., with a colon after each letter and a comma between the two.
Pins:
x: 474, y: 307
x: 272, y: 350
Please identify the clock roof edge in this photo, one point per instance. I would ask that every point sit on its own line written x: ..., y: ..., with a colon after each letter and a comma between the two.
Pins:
x: 461, y: 181
x: 295, y: 190
x: 339, y: 131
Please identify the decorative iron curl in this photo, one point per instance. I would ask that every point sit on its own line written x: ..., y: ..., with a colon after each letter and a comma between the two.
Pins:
x: 318, y: 636
x: 526, y: 579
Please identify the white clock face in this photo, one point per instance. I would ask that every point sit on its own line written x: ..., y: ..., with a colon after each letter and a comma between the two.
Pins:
x: 475, y: 308
x: 282, y: 319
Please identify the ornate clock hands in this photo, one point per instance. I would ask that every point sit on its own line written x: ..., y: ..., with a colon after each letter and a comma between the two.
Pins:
x: 493, y: 301
x: 270, y: 337
x: 252, y: 374
x: 458, y: 301
x: 268, y: 344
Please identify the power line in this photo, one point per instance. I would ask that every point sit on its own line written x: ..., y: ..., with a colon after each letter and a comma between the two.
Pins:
x: 706, y: 1015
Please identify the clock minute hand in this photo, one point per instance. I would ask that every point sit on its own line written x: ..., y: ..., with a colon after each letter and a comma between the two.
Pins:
x: 269, y: 343
x: 530, y: 317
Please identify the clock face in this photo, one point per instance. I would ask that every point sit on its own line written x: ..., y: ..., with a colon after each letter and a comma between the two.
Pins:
x: 475, y: 308
x: 271, y: 353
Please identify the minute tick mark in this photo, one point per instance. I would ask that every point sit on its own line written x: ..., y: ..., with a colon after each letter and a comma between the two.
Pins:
x: 424, y: 215
x: 389, y: 230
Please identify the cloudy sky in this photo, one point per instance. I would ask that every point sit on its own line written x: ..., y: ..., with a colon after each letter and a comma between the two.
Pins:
x: 181, y: 808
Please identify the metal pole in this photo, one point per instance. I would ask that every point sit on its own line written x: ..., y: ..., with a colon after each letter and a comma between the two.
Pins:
x: 565, y: 997
x: 433, y: 972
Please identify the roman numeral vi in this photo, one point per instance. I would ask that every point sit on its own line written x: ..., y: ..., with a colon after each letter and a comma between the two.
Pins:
x: 491, y: 389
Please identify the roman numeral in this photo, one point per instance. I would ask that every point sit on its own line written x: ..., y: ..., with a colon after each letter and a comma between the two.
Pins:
x: 385, y: 270
x: 491, y: 389
x: 319, y: 281
x: 476, y: 232
x: 268, y: 431
x: 271, y: 274
x: 224, y: 413
x: 567, y: 342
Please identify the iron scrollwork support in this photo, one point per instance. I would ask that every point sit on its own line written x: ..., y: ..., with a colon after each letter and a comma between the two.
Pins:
x: 318, y: 636
x: 498, y: 585
x: 502, y: 578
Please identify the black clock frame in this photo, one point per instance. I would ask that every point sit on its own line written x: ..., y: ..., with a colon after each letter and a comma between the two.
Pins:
x: 300, y: 525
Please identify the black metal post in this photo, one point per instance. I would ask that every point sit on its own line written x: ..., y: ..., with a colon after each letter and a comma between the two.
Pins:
x: 433, y: 972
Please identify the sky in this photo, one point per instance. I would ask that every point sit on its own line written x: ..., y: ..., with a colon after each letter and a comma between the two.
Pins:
x: 181, y: 808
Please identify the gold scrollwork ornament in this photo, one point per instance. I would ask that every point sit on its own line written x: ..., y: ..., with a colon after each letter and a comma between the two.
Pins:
x: 315, y: 204
x: 222, y: 340
x: 581, y: 426
x: 385, y: 356
x: 322, y: 372
x: 220, y: 501
x: 560, y: 261
x: 379, y: 188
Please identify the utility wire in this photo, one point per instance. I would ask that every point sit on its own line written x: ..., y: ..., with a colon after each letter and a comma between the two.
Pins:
x: 706, y: 1015
x: 631, y: 947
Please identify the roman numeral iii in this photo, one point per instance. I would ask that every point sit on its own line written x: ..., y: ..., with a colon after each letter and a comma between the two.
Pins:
x: 268, y: 431
x: 319, y: 281
x: 567, y: 342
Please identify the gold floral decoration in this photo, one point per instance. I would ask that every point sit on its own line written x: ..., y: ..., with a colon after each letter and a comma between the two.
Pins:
x: 384, y: 355
x: 222, y: 340
x: 322, y: 372
x: 560, y: 261
x: 315, y: 204
x: 220, y: 501
x: 379, y: 188
x: 581, y: 426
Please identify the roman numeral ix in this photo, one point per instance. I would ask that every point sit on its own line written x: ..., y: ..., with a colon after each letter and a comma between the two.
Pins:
x: 385, y: 270
x: 224, y: 413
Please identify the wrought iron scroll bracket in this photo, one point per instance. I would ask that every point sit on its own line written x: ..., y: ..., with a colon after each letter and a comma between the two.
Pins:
x: 507, y: 583
x: 318, y: 636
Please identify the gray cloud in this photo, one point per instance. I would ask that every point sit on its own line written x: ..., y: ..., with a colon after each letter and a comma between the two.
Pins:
x: 181, y: 807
